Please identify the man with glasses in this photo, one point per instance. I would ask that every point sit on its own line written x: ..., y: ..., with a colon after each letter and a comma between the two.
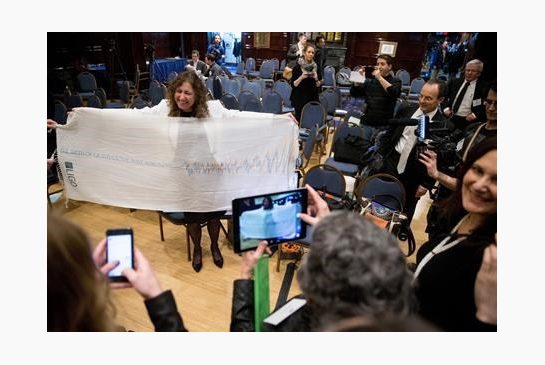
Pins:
x: 464, y: 104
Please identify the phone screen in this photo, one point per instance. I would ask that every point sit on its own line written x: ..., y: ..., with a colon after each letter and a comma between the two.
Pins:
x: 119, y: 247
x: 271, y: 217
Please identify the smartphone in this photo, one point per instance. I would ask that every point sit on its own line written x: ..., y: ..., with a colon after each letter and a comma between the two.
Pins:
x: 119, y: 247
x: 272, y: 217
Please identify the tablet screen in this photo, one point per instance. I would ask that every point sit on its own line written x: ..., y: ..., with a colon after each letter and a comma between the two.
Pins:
x: 272, y: 217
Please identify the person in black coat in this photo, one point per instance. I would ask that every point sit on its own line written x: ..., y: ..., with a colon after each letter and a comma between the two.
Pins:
x: 353, y: 269
x: 380, y: 93
x: 464, y: 104
x: 304, y: 82
x: 448, y: 277
x: 78, y: 292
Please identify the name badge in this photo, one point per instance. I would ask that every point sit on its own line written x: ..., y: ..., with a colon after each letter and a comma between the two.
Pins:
x: 477, y: 102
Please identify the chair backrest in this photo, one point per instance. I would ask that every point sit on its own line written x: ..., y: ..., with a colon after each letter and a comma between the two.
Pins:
x: 231, y: 86
x: 326, y: 178
x: 282, y: 65
x: 61, y: 112
x: 266, y: 71
x: 331, y: 99
x: 102, y: 96
x: 308, y: 146
x: 329, y: 76
x: 124, y: 92
x: 171, y: 76
x: 156, y: 94
x: 230, y: 101
x: 240, y: 68
x: 385, y: 189
x: 313, y: 113
x: 275, y: 63
x: 248, y: 101
x: 139, y: 103
x: 399, y: 102
x: 94, y: 102
x: 404, y: 76
x: 217, y: 87
x: 272, y: 103
x: 416, y: 85
x: 250, y: 64
x: 74, y: 101
x: 254, y: 86
x: 284, y: 89
x: 87, y: 81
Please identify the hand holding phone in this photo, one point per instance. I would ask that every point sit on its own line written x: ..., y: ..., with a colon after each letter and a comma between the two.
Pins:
x: 119, y: 249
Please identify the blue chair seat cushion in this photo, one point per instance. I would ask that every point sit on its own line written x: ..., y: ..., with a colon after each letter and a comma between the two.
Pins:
x: 344, y: 167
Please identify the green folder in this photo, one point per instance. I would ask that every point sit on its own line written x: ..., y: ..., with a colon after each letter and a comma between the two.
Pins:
x: 261, y: 292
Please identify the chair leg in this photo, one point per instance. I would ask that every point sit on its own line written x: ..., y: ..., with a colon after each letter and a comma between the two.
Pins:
x: 188, y: 241
x: 161, y: 226
x: 279, y: 252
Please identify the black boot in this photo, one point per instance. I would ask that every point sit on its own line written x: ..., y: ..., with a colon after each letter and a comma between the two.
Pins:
x: 197, y: 258
x: 216, y: 255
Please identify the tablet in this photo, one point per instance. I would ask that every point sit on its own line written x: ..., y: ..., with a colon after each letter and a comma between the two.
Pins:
x: 271, y: 217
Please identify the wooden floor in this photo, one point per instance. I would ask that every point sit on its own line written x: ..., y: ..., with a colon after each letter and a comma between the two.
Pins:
x: 204, y: 298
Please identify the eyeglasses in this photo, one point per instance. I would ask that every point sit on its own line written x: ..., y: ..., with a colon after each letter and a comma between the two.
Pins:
x: 489, y: 102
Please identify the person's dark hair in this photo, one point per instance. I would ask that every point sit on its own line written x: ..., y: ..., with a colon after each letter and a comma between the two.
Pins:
x: 318, y: 38
x: 300, y: 34
x: 440, y: 84
x: 492, y: 86
x: 269, y: 200
x: 200, y: 108
x: 354, y: 268
x: 195, y: 52
x: 211, y: 57
x: 453, y: 205
x: 77, y: 293
x: 386, y: 58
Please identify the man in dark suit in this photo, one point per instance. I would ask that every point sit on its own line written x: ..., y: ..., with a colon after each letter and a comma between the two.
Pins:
x: 464, y: 104
x: 196, y: 63
x: 398, y: 146
x: 213, y: 68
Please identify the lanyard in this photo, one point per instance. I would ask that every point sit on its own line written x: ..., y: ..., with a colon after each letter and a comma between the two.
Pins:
x: 442, y: 246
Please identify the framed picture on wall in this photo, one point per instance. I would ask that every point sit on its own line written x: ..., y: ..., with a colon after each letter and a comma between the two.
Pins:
x: 388, y: 48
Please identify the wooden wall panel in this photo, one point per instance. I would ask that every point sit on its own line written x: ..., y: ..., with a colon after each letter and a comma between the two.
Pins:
x: 279, y: 44
x: 411, y: 49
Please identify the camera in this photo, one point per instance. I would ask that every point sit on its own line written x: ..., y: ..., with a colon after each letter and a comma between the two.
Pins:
x: 308, y: 67
x: 369, y: 71
x: 443, y: 141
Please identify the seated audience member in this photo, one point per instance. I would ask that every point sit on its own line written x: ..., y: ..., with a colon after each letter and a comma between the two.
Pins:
x: 464, y: 104
x: 353, y: 269
x: 446, y: 276
x: 213, y: 68
x: 78, y: 292
x: 196, y: 63
x: 473, y: 134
